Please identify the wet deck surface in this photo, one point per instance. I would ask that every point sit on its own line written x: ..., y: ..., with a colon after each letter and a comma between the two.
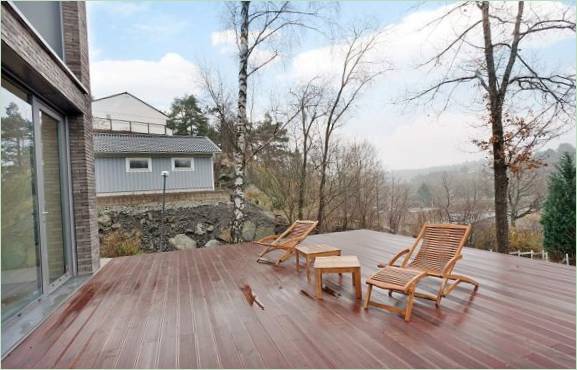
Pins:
x: 186, y: 310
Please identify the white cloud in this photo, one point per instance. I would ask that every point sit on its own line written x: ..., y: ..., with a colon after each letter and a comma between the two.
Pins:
x: 409, y: 42
x: 156, y: 82
x: 417, y: 140
x: 225, y: 41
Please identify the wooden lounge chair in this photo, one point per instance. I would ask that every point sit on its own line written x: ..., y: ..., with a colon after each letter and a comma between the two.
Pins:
x: 434, y: 254
x: 286, y: 241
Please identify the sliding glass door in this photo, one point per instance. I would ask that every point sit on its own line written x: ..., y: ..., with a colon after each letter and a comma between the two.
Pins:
x: 35, y: 244
x: 21, y: 259
x: 51, y: 204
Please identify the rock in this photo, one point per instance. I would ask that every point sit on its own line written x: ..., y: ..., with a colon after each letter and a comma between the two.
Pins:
x: 263, y: 231
x: 224, y: 235
x: 181, y: 242
x: 116, y: 226
x: 212, y: 243
x: 189, y: 231
x: 209, y: 228
x: 248, y: 230
x: 200, y: 229
x: 104, y: 220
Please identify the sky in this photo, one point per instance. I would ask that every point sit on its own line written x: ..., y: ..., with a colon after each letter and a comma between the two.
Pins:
x: 156, y: 50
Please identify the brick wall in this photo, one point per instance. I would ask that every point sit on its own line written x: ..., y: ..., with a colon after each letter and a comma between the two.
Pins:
x: 35, y: 65
x: 81, y: 144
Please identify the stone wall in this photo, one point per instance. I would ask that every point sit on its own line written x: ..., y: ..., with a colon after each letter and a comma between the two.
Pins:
x: 186, y: 225
x: 210, y: 196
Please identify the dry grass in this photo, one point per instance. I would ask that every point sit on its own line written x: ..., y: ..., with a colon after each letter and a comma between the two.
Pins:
x: 118, y: 244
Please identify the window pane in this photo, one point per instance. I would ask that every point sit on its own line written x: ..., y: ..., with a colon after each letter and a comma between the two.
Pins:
x: 137, y: 164
x: 182, y: 163
x: 21, y: 281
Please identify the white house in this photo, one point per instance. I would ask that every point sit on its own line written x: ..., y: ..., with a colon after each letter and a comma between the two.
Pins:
x: 128, y: 113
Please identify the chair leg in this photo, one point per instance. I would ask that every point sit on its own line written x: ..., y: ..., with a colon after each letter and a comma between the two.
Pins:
x: 459, y: 279
x: 368, y: 297
x: 409, y: 307
x: 441, y: 292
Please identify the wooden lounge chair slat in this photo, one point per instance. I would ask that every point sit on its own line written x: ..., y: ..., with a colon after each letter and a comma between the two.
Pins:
x: 288, y: 240
x: 434, y: 254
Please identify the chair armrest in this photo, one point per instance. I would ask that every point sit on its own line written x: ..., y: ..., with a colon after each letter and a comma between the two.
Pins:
x: 395, y: 258
x: 449, y: 266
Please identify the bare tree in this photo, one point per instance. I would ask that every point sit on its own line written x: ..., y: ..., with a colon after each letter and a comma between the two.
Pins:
x: 505, y: 77
x: 524, y: 195
x: 398, y: 202
x: 356, y: 71
x: 255, y: 28
x: 309, y: 101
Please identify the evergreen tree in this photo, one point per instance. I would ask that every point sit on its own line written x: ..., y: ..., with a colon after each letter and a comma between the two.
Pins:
x: 186, y: 118
x: 425, y: 195
x: 558, y: 216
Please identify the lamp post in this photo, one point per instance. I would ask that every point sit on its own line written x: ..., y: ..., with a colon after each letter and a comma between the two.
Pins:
x: 164, y: 175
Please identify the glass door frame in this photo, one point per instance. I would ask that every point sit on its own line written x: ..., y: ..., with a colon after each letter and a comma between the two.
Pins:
x: 39, y: 107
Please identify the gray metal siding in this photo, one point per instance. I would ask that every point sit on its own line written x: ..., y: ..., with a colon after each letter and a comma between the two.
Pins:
x: 111, y: 175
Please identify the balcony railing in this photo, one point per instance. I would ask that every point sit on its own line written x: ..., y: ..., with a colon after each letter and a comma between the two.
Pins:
x: 119, y: 125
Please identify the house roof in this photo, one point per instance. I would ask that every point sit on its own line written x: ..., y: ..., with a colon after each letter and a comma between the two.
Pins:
x: 133, y: 96
x: 116, y: 143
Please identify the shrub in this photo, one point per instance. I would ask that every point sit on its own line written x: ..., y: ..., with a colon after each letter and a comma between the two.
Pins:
x: 118, y: 244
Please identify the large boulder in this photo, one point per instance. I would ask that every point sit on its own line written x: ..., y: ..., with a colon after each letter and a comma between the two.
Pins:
x: 224, y: 235
x: 262, y: 231
x: 248, y: 230
x: 181, y: 242
x: 212, y: 243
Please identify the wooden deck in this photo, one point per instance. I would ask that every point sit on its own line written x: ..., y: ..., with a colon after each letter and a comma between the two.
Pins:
x: 185, y: 310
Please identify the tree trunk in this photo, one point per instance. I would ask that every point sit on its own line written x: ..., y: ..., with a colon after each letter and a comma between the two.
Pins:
x: 321, y: 209
x: 501, y: 185
x: 239, y: 154
x: 496, y: 98
x: 303, y: 179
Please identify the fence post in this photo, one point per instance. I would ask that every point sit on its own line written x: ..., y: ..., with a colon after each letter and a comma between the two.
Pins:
x: 567, y: 259
x: 547, y: 256
x: 130, y: 126
x: 531, y: 253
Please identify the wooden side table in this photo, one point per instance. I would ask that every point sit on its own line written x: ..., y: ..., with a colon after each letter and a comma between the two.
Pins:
x: 312, y: 251
x: 338, y: 264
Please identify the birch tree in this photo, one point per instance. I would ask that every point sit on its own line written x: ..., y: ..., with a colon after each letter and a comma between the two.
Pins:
x: 254, y: 27
x: 505, y: 76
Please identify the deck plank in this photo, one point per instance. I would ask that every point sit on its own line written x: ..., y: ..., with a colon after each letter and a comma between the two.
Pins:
x: 185, y: 309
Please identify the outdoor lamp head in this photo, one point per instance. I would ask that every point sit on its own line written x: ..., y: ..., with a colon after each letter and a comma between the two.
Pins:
x: 164, y: 173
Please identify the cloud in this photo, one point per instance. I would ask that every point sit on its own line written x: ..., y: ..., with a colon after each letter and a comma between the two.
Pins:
x: 156, y: 82
x: 409, y: 42
x: 225, y: 42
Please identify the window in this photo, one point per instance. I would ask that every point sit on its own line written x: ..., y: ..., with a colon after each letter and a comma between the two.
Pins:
x: 138, y: 165
x: 45, y: 17
x: 182, y: 164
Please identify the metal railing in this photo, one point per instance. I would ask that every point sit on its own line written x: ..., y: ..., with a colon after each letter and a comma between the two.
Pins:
x: 112, y: 124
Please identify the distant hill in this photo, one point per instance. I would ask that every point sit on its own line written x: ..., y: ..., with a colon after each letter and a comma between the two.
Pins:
x: 549, y: 156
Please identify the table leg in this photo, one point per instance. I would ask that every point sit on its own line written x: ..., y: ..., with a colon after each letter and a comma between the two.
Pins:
x: 298, y: 262
x: 319, y: 283
x: 357, y: 281
x: 307, y: 267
